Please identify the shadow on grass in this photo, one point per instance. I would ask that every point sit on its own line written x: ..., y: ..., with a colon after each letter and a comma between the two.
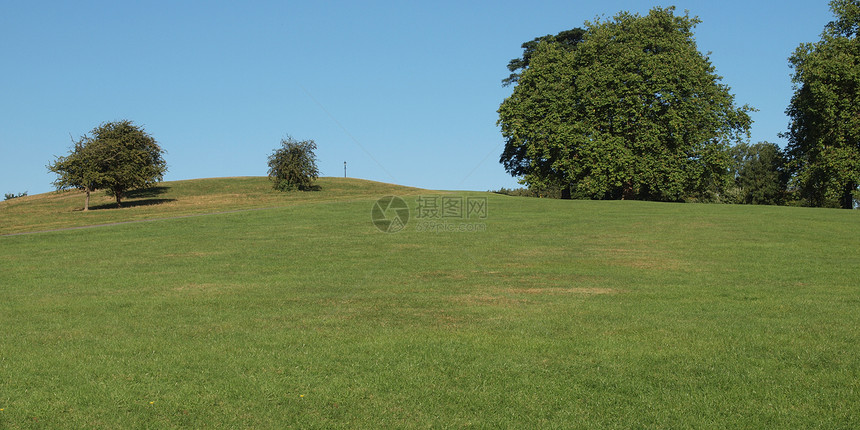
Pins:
x: 302, y: 189
x: 131, y: 204
x: 146, y: 194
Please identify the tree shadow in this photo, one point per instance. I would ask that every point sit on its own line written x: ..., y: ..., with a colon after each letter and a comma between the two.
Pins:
x: 145, y: 194
x: 131, y: 204
x: 311, y: 188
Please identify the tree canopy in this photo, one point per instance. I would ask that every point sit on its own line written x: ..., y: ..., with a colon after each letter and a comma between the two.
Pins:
x: 626, y: 108
x: 293, y: 165
x: 824, y: 133
x: 567, y: 40
x: 116, y: 156
x: 760, y: 174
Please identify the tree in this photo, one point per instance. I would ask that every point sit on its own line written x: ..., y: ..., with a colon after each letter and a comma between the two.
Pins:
x: 824, y: 132
x: 78, y: 170
x: 760, y: 174
x: 116, y: 156
x: 625, y: 109
x: 567, y: 40
x: 293, y: 165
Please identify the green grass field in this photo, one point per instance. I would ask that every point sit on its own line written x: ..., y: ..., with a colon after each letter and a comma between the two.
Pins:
x: 559, y: 314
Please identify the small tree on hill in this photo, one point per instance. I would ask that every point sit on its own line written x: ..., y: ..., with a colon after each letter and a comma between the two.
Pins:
x: 116, y: 156
x: 293, y: 165
x: 78, y: 170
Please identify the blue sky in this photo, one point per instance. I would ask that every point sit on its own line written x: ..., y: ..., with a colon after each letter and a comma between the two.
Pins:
x: 404, y: 92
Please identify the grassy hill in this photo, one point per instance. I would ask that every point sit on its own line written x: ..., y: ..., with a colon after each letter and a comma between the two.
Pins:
x: 556, y: 314
x: 177, y: 198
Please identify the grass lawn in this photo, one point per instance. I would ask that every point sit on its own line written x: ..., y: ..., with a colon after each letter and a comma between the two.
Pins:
x: 559, y: 314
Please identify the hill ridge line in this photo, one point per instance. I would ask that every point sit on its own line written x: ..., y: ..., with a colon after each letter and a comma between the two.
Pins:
x: 111, y: 224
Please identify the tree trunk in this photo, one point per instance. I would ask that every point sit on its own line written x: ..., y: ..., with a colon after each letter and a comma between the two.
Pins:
x: 847, y: 200
x: 628, y: 193
x: 118, y: 195
x: 87, y: 201
x: 565, y: 192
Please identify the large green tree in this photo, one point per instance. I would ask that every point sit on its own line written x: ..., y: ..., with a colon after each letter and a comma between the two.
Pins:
x: 116, y: 156
x: 824, y: 133
x: 626, y: 108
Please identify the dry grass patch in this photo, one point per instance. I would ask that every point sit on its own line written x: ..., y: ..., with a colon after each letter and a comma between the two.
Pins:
x: 441, y: 274
x: 192, y: 254
x: 487, y: 300
x: 559, y: 291
x: 640, y: 258
x: 205, y: 288
x: 538, y: 252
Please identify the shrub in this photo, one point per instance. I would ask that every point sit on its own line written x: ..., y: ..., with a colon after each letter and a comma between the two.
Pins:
x: 293, y: 165
x: 10, y: 196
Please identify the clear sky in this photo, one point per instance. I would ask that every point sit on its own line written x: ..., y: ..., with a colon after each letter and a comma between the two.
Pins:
x: 403, y: 91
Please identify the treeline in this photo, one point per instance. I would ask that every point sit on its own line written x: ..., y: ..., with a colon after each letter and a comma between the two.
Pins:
x: 759, y: 175
x: 628, y: 108
x: 10, y: 196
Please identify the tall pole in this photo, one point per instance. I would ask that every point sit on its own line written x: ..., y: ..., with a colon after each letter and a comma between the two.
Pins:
x: 344, y: 169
